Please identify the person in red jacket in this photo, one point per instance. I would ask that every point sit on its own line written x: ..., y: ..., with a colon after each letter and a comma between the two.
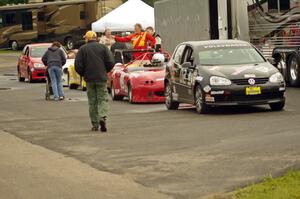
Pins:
x: 139, y: 40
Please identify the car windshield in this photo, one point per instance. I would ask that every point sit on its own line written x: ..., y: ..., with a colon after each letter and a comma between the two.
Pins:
x: 230, y: 56
x: 38, y: 51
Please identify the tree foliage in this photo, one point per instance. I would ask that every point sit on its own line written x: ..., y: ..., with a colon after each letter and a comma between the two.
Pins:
x: 4, y: 2
x: 149, y: 2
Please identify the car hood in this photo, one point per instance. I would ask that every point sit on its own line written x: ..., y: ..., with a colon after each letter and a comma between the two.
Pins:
x: 240, y: 71
x: 149, y: 75
x: 36, y: 59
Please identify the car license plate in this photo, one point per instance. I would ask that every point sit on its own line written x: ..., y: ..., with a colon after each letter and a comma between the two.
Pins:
x: 253, y: 90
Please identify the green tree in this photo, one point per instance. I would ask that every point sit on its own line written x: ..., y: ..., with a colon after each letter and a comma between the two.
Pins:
x: 149, y: 2
x: 4, y: 2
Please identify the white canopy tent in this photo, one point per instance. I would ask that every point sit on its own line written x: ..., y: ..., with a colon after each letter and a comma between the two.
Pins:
x: 125, y: 16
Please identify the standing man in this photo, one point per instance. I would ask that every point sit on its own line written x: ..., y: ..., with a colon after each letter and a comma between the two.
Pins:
x: 54, y: 58
x: 150, y: 30
x: 139, y: 40
x: 93, y: 62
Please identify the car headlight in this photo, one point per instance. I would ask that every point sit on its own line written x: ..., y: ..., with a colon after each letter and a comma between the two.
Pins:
x: 38, y: 65
x: 219, y: 81
x: 276, y: 78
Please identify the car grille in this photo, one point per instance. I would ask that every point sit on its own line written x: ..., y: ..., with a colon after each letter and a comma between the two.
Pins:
x: 160, y: 93
x: 249, y: 98
x: 245, y: 81
x: 41, y: 74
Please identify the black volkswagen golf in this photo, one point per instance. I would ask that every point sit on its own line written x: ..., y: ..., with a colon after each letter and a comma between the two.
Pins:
x: 219, y: 73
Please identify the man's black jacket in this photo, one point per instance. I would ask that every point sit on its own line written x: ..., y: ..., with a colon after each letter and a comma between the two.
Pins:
x: 93, y: 62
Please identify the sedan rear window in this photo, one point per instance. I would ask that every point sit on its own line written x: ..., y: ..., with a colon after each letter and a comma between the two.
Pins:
x: 230, y: 56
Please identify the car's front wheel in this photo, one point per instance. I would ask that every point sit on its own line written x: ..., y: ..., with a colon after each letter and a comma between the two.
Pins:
x: 20, y: 78
x: 201, y: 107
x: 113, y: 94
x: 277, y: 106
x: 30, y: 80
x: 170, y: 104
x: 130, y: 94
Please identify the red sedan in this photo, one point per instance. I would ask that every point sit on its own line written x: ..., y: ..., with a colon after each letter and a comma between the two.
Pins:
x: 30, y: 65
x: 141, y: 81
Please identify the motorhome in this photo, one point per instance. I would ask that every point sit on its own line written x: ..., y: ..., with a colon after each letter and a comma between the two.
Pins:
x: 64, y: 21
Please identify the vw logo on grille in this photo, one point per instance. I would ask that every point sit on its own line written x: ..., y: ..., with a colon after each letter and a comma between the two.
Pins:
x: 251, y: 81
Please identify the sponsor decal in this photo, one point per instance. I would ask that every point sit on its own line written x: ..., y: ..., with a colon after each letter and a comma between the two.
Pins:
x: 239, y: 70
x: 251, y: 81
x: 160, y: 79
x: 282, y: 89
x: 117, y: 91
x: 249, y: 75
x: 262, y: 69
x: 199, y: 78
x: 209, y: 99
x: 207, y: 89
x: 225, y: 45
x: 217, y: 92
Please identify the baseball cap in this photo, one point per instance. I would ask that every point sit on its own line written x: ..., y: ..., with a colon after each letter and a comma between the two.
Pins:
x: 90, y: 35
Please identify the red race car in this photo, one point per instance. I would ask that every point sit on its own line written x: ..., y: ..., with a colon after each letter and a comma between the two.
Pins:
x: 30, y: 65
x: 141, y: 80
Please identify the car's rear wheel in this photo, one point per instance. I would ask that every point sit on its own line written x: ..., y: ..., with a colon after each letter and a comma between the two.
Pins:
x: 130, y: 94
x: 201, y: 107
x: 20, y: 78
x: 170, y: 104
x: 294, y: 70
x: 277, y: 106
x: 113, y: 94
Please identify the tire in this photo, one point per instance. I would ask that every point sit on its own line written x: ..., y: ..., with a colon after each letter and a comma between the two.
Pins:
x: 170, y: 104
x: 69, y: 43
x: 71, y: 86
x: 20, y: 78
x: 14, y: 45
x: 201, y: 107
x: 277, y: 106
x: 113, y: 94
x: 129, y: 94
x: 294, y: 70
x: 30, y: 80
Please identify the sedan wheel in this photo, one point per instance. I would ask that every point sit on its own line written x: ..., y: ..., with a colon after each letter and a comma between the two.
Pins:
x: 113, y: 94
x: 30, y: 80
x: 201, y: 107
x: 130, y: 95
x: 20, y: 78
x: 277, y: 106
x: 170, y: 104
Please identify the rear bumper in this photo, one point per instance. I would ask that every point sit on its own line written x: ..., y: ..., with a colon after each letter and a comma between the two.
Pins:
x: 149, y: 94
x: 236, y: 95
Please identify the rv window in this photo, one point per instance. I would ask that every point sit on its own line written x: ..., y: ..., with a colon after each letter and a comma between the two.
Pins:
x: 10, y: 19
x: 82, y: 15
x: 278, y: 5
x: 41, y: 16
x: 1, y: 21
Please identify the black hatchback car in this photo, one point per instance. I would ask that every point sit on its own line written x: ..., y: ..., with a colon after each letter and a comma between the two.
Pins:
x: 219, y: 73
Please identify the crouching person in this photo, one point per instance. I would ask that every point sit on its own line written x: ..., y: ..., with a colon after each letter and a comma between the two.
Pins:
x: 93, y: 62
x: 54, y: 58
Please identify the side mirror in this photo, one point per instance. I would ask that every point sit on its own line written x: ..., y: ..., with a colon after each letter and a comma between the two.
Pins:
x: 271, y: 60
x: 188, y: 65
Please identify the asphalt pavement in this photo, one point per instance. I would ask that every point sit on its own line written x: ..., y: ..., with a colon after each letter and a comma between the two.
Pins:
x: 177, y: 154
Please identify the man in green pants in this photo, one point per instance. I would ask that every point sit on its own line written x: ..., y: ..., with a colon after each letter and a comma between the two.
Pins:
x: 93, y: 62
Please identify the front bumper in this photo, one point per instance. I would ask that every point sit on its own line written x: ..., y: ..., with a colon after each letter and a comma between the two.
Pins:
x: 149, y: 93
x: 236, y: 95
x: 38, y: 74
